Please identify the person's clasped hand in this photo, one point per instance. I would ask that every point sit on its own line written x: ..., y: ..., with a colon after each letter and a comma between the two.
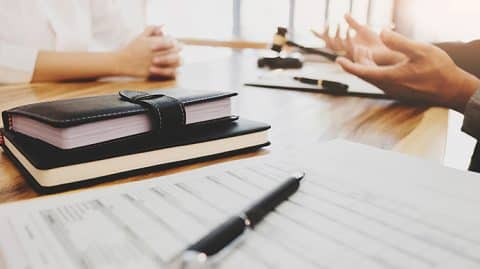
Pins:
x: 425, y: 74
x: 152, y: 53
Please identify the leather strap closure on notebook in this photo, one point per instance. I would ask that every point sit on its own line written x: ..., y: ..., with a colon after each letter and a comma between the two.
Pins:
x: 165, y: 111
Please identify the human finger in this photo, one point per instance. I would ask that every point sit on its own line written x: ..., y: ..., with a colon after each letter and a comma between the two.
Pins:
x: 159, y: 31
x: 160, y: 43
x: 338, y: 41
x: 328, y: 40
x: 163, y: 71
x: 363, y: 56
x: 171, y: 60
x: 167, y: 51
x: 325, y: 36
x: 370, y: 72
x: 349, y: 44
x: 149, y: 30
x: 317, y: 33
x: 353, y: 23
x: 401, y: 44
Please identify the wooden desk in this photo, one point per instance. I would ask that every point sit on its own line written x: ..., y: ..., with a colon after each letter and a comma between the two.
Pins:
x: 296, y: 117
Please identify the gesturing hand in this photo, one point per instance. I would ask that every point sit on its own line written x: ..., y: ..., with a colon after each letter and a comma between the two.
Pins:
x: 425, y: 74
x: 364, y: 37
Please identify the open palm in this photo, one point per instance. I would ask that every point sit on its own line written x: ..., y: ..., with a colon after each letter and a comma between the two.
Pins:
x: 364, y: 37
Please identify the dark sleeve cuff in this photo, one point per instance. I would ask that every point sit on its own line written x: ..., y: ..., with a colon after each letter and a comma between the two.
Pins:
x: 471, y: 121
x: 465, y: 55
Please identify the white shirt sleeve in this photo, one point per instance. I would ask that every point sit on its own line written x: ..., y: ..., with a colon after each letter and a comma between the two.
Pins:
x: 111, y: 29
x: 16, y: 63
x: 27, y: 26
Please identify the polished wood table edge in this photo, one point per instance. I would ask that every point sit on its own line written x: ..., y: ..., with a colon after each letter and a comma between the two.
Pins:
x: 236, y: 44
x: 432, y: 130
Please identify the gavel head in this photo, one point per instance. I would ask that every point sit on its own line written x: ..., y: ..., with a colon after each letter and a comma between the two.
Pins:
x: 279, y: 39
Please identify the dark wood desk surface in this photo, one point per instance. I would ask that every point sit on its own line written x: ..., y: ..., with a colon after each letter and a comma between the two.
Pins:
x: 296, y: 117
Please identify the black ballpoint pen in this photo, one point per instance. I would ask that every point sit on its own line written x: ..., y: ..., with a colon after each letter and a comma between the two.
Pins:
x: 325, y: 84
x: 227, y: 232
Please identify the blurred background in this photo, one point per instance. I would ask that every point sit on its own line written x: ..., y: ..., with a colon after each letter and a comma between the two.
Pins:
x: 256, y: 20
x: 250, y: 23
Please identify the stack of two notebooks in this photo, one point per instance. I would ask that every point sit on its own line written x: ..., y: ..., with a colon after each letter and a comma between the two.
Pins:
x: 71, y: 143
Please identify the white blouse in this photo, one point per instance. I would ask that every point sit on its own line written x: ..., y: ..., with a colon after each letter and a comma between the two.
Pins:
x: 28, y: 26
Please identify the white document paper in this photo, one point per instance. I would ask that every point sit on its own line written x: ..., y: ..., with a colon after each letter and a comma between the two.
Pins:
x: 323, y: 71
x: 357, y: 207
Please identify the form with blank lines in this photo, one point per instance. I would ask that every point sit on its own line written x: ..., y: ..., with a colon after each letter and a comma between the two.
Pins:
x: 350, y: 218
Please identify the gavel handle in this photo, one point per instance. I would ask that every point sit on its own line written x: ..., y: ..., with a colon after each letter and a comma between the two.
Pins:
x: 331, y: 56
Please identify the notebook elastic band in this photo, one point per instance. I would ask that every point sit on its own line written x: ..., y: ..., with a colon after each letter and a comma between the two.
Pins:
x: 165, y: 111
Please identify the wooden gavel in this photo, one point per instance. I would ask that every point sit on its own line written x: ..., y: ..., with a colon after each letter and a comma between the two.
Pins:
x: 280, y: 40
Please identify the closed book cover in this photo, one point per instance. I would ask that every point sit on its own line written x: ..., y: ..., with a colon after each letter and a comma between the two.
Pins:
x: 79, y: 122
x: 51, y: 169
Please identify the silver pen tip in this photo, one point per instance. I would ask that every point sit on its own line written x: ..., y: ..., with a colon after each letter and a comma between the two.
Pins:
x: 194, y: 260
x: 299, y: 175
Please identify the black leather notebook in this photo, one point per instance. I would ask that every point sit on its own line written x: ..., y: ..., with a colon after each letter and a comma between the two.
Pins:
x: 79, y: 122
x: 50, y: 169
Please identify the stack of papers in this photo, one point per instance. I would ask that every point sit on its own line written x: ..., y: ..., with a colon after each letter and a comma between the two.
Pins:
x: 385, y: 211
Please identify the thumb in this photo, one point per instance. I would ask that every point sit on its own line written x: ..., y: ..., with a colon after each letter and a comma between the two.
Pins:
x: 400, y: 43
x: 350, y: 66
x: 152, y: 30
x: 363, y: 56
x: 368, y: 72
x: 159, y: 31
